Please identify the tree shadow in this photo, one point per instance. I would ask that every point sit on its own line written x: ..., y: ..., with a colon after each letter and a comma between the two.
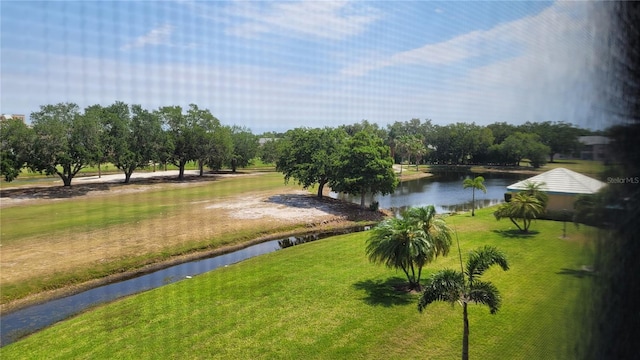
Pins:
x: 385, y: 292
x: 516, y: 234
x: 79, y: 187
x: 579, y: 273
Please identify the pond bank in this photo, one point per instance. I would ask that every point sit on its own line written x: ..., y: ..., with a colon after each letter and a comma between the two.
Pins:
x: 196, y: 254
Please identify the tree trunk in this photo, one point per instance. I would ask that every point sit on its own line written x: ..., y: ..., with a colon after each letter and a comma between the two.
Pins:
x: 465, y: 333
x: 515, y: 223
x: 127, y: 176
x: 362, y: 194
x: 321, y: 188
x: 181, y: 173
x: 66, y: 180
x: 99, y: 171
x: 66, y: 175
x: 201, y: 166
x: 473, y: 200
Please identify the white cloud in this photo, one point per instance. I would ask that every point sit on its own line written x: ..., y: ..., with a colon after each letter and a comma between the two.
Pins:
x: 158, y: 36
x: 528, y: 33
x: 318, y: 19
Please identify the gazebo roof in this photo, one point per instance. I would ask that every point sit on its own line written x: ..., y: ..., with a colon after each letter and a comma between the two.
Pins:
x: 561, y: 180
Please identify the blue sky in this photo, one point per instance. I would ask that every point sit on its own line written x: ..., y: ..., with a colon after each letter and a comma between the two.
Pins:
x: 280, y: 65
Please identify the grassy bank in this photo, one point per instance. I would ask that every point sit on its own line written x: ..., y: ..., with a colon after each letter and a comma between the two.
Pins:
x: 595, y: 169
x: 325, y: 300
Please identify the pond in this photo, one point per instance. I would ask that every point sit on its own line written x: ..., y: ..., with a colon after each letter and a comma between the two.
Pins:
x: 444, y: 191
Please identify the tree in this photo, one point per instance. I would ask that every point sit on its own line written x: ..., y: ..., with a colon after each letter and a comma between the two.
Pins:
x: 518, y: 146
x: 501, y: 130
x: 534, y: 189
x: 537, y: 154
x: 134, y: 137
x: 559, y: 137
x: 402, y: 149
x: 364, y: 166
x: 269, y: 151
x: 466, y: 287
x: 245, y: 147
x: 148, y: 140
x: 475, y: 183
x: 15, y: 142
x: 417, y: 150
x: 521, y: 207
x: 310, y: 156
x: 97, y: 114
x: 221, y: 149
x: 188, y: 135
x: 409, y: 242
x: 204, y: 126
x: 64, y: 142
x: 179, y: 137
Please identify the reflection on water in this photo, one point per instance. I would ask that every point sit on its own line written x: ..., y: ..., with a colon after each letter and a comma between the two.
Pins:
x: 444, y: 191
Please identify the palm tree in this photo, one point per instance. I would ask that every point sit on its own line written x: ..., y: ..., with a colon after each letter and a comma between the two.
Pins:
x: 476, y: 183
x: 465, y: 287
x: 535, y: 189
x: 409, y: 242
x: 522, y: 206
x: 435, y: 228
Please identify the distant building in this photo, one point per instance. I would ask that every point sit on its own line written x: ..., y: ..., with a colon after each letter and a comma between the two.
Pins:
x: 594, y: 148
x: 12, y: 116
x: 562, y: 186
x: 263, y: 141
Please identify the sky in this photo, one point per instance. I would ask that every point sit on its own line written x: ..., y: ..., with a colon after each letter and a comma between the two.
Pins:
x: 274, y: 66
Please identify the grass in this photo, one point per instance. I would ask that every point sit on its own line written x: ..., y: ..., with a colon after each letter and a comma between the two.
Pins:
x: 324, y: 300
x: 588, y: 167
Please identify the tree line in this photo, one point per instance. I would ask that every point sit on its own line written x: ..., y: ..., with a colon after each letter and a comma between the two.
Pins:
x: 62, y: 140
x: 500, y: 143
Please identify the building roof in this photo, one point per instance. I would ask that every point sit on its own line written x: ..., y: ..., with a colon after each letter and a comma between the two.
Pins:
x: 594, y: 140
x: 561, y: 180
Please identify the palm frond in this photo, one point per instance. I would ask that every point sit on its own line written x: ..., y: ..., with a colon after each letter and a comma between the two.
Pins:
x: 485, y: 293
x: 445, y: 285
x: 480, y: 260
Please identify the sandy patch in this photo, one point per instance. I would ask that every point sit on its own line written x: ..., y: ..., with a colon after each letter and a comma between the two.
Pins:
x: 297, y: 206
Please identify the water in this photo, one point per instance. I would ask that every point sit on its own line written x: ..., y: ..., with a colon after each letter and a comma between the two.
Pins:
x: 34, y: 318
x: 444, y: 191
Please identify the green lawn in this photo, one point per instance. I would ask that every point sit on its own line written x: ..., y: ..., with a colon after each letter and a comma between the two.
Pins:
x: 325, y: 300
x: 591, y: 168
